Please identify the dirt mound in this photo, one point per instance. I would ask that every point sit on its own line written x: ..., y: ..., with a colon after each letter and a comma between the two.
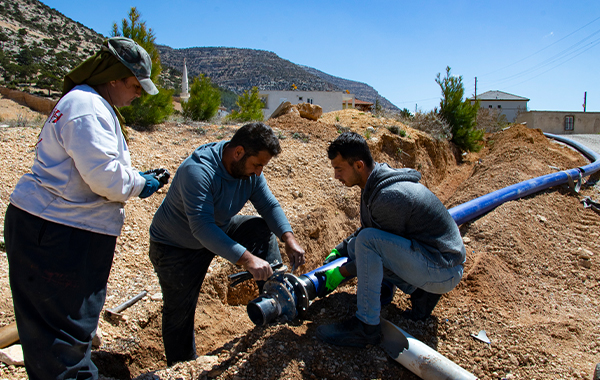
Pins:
x: 531, y: 278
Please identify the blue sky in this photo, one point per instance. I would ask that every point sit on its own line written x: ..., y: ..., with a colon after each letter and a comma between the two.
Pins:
x: 547, y: 51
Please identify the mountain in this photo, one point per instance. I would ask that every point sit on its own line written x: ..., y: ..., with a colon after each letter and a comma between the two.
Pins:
x: 40, y: 45
x: 240, y: 69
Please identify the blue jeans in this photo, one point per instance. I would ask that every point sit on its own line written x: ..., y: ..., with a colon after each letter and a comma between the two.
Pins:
x: 379, y: 254
x: 181, y: 273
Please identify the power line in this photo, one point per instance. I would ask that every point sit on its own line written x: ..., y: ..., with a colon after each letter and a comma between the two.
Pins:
x: 542, y: 49
x: 561, y: 55
x: 595, y: 43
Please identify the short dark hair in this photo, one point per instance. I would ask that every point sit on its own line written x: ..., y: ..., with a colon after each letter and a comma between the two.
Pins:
x: 352, y: 147
x: 256, y: 137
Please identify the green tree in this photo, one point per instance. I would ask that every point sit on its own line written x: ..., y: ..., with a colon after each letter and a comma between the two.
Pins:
x: 204, y: 100
x: 250, y: 105
x: 49, y: 81
x: 147, y: 109
x: 460, y: 114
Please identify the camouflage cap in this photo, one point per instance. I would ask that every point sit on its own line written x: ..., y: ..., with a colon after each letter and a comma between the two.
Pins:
x: 135, y: 58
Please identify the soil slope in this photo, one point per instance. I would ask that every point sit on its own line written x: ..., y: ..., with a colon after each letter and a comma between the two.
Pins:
x: 531, y: 278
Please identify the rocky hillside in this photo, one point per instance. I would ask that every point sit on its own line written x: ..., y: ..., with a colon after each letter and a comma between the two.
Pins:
x: 40, y: 45
x: 239, y: 69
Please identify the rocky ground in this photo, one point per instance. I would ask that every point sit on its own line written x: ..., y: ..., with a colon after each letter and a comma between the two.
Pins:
x: 531, y: 279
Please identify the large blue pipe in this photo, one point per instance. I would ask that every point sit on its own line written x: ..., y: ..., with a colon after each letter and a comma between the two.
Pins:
x: 479, y: 206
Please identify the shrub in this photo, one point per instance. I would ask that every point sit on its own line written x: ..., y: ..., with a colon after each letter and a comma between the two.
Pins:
x: 460, y: 114
x: 432, y: 124
x: 250, y: 106
x: 148, y: 110
x: 490, y: 120
x: 204, y: 100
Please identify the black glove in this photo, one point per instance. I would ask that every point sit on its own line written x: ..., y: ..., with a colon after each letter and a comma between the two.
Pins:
x: 162, y: 175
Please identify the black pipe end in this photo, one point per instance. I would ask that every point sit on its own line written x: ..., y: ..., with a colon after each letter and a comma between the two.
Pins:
x: 263, y: 310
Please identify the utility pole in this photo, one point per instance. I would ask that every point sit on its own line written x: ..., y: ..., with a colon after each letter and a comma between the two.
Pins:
x: 475, y: 88
x: 584, y: 100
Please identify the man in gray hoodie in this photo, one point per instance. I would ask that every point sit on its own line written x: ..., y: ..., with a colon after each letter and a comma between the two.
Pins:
x: 407, y: 237
x: 198, y: 220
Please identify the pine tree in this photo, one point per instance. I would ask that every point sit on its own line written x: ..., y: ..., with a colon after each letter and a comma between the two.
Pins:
x: 204, y: 100
x: 460, y: 115
x: 250, y: 105
x: 147, y: 110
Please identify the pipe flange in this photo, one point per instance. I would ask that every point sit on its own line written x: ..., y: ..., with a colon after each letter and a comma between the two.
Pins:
x: 283, y: 296
x: 302, y: 301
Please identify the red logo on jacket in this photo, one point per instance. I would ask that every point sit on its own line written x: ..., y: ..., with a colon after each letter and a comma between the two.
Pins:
x: 55, y: 117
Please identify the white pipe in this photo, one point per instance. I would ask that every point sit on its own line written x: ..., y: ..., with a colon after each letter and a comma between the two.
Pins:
x: 418, y: 357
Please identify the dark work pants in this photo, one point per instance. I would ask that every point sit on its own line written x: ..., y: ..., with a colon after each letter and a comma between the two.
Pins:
x: 181, y: 273
x: 58, y: 278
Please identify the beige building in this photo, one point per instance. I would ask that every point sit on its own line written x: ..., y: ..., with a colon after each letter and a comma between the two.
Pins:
x: 561, y: 122
x: 504, y: 103
x: 328, y: 100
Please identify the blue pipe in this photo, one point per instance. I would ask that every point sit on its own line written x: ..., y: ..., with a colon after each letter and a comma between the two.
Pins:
x: 479, y: 206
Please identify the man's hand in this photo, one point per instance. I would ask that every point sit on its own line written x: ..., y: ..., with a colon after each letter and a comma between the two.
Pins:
x: 294, y: 252
x: 259, y: 268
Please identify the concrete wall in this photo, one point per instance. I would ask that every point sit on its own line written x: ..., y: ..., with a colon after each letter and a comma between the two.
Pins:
x: 328, y: 100
x: 554, y: 121
x: 509, y: 108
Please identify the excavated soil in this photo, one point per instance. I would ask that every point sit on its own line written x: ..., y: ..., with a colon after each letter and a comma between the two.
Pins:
x: 531, y: 277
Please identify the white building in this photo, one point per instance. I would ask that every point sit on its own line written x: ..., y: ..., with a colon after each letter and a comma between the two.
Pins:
x: 328, y: 100
x: 506, y: 104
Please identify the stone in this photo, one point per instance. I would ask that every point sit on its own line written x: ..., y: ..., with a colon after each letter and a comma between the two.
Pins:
x: 159, y: 296
x: 283, y: 109
x: 310, y: 111
x: 12, y: 355
x: 97, y: 339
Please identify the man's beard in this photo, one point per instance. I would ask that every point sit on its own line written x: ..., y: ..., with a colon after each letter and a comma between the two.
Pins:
x: 238, y: 169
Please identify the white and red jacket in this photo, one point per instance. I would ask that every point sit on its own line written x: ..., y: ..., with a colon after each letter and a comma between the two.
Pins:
x: 81, y: 175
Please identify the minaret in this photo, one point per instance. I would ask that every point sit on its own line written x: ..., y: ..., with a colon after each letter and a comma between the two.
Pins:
x: 185, y: 95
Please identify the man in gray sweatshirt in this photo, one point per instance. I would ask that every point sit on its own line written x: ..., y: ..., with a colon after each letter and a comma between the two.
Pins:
x: 407, y: 237
x: 198, y: 220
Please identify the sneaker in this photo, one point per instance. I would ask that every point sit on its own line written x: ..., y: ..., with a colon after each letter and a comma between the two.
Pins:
x: 352, y: 333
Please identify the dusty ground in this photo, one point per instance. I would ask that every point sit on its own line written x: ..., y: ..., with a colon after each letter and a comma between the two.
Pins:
x: 531, y: 278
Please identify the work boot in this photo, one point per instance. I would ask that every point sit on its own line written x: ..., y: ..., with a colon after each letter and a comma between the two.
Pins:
x: 423, y: 304
x: 352, y: 332
x: 387, y: 292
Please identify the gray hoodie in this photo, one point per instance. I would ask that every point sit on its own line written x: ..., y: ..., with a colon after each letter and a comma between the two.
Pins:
x: 394, y: 201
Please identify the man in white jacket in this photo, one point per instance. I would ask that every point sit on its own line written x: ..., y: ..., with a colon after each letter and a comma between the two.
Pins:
x: 64, y: 217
